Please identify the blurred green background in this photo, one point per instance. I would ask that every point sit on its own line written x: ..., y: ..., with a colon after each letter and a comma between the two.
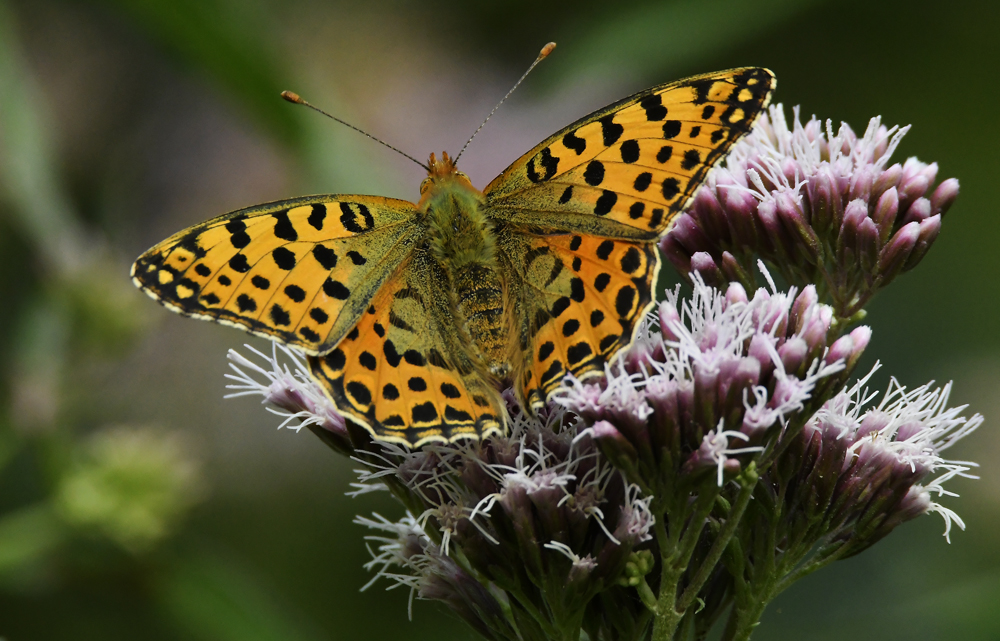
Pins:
x: 136, y: 504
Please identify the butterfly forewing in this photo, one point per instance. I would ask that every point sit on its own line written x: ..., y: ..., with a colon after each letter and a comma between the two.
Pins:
x: 301, y: 270
x: 628, y: 170
x: 403, y: 371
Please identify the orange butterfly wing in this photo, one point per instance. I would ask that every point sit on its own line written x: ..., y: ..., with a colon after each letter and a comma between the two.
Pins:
x: 301, y: 270
x: 580, y: 299
x: 403, y: 371
x: 628, y: 170
x: 585, y: 207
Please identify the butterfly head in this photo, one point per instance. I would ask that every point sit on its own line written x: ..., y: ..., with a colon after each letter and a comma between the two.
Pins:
x: 442, y: 174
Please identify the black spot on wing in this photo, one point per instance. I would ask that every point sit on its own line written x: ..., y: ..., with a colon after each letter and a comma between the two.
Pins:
x: 283, y: 227
x: 296, y: 293
x: 424, y: 413
x: 610, y: 130
x: 317, y: 216
x: 284, y: 258
x: 691, y: 159
x: 572, y: 141
x: 630, y: 151
x: 246, y: 304
x: 357, y: 221
x: 237, y: 232
x: 548, y: 163
x: 336, y: 289
x: 594, y: 173
x: 325, y: 256
x: 279, y: 316
x: 238, y: 263
x: 605, y: 202
x: 653, y: 104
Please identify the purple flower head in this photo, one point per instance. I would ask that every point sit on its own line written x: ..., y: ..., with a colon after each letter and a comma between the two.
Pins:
x: 730, y: 369
x: 821, y: 207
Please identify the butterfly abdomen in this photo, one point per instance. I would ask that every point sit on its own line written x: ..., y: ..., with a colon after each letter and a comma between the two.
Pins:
x: 479, y: 298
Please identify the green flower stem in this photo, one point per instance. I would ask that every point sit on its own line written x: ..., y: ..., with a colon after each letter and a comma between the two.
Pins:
x: 748, y: 481
x: 666, y: 617
x: 821, y: 560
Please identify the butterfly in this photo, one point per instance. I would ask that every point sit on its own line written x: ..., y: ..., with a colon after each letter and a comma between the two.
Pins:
x: 413, y: 315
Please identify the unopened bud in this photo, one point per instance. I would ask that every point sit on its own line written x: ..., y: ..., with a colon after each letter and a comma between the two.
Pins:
x: 919, y: 210
x: 944, y: 196
x: 867, y: 247
x: 889, y: 179
x: 895, y: 254
x: 885, y: 213
x: 704, y: 264
x: 929, y: 230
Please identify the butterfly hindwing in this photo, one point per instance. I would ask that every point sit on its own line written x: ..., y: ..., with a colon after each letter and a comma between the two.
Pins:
x: 403, y: 371
x: 579, y: 300
x: 301, y: 271
x: 627, y: 171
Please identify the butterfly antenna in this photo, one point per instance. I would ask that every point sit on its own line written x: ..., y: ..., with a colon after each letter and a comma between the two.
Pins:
x: 546, y: 50
x: 291, y: 96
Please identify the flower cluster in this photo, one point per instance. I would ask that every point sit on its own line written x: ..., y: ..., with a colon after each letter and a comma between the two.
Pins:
x: 536, y: 516
x: 720, y: 458
x: 616, y: 505
x: 820, y: 207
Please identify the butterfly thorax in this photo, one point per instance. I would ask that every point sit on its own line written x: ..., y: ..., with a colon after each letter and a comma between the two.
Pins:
x: 461, y: 240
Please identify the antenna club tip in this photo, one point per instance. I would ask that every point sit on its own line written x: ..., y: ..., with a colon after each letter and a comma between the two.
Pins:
x: 291, y: 96
x: 547, y: 49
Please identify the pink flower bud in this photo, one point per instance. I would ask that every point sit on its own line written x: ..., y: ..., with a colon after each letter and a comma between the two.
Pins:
x: 704, y: 264
x: 895, y: 254
x: 929, y: 230
x: 736, y: 294
x: 690, y: 236
x: 668, y: 317
x: 862, y: 182
x: 774, y: 237
x: 885, y: 213
x: 857, y: 210
x: 817, y: 328
x: 841, y: 349
x: 825, y: 200
x: 732, y: 270
x: 867, y: 247
x: 889, y: 179
x: 919, y: 210
x: 912, y: 188
x: 758, y: 350
x: 806, y: 299
x: 861, y: 336
x: 794, y: 221
x: 677, y: 255
x: 708, y: 213
x: 944, y: 196
x: 793, y: 354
